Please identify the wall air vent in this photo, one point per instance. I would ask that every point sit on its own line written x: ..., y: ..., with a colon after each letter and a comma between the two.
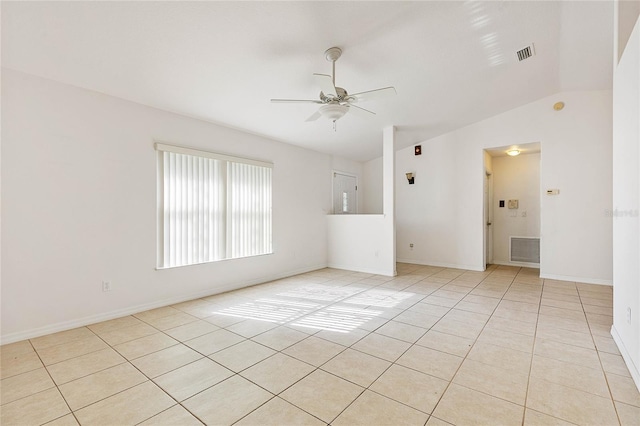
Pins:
x: 524, y: 250
x: 525, y: 53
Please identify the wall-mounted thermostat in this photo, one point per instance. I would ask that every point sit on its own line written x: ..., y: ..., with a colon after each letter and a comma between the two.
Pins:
x: 553, y: 191
x: 513, y: 204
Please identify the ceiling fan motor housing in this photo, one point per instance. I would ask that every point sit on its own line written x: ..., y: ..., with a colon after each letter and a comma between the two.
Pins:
x: 341, y: 96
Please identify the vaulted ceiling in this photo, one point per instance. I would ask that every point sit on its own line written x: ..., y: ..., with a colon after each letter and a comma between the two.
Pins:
x: 452, y: 63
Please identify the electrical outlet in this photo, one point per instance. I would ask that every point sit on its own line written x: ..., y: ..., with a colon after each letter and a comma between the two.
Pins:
x: 628, y: 315
x: 106, y: 286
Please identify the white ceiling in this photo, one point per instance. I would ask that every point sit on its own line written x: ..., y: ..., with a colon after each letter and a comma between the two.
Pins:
x: 452, y: 63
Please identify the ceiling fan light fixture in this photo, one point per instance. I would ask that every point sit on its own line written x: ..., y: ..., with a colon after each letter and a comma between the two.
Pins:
x: 333, y: 111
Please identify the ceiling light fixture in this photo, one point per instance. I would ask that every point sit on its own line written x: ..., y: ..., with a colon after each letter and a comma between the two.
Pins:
x: 513, y: 152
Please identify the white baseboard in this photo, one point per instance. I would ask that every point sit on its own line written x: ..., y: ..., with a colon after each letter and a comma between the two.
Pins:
x: 633, y: 369
x: 521, y: 264
x: 576, y: 279
x: 359, y: 269
x: 105, y: 316
x: 443, y: 265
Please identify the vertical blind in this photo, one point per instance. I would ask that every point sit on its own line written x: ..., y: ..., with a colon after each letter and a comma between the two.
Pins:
x: 211, y: 207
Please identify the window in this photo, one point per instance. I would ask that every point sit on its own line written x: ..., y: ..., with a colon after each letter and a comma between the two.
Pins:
x: 211, y: 207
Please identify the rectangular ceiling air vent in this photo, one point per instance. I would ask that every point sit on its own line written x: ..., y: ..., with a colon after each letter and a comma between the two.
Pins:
x: 525, y: 53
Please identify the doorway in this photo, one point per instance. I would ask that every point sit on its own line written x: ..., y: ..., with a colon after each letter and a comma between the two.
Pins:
x: 345, y: 193
x: 512, y: 205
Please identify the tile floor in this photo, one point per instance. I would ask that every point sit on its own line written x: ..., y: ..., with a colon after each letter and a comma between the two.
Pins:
x: 431, y: 346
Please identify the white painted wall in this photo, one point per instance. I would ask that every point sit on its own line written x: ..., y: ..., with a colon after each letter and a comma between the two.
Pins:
x: 515, y: 178
x: 79, y: 207
x: 442, y: 214
x: 372, y: 186
x: 626, y: 202
x: 366, y: 242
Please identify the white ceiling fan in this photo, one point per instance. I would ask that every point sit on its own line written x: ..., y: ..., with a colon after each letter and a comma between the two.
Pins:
x: 335, y: 101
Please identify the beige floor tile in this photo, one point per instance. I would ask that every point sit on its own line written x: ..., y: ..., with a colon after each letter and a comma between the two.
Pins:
x: 434, y: 421
x: 571, y: 305
x: 345, y: 339
x: 242, y: 355
x: 570, y: 404
x: 467, y: 316
x: 448, y: 343
x: 68, y: 420
x: 34, y: 409
x: 458, y: 328
x: 440, y: 301
x: 605, y: 302
x: 381, y: 346
x: 614, y: 364
x: 175, y: 415
x: 127, y: 408
x: 84, y: 365
x: 15, y: 349
x: 433, y: 310
x: 490, y: 302
x: 127, y: 334
x: 463, y: 406
x: 190, y: 379
x: 410, y: 387
x: 516, y: 315
x: 314, y: 351
x: 214, y: 342
x: 356, y: 367
x: 569, y: 337
x: 623, y: 389
x: 322, y: 395
x: 568, y: 353
x: 535, y: 418
x: 61, y: 337
x: 89, y: 389
x: 504, y: 324
x: 156, y: 313
x: 54, y: 354
x: 401, y: 331
x: 13, y: 364
x: 449, y: 294
x: 25, y: 384
x: 417, y: 319
x: 507, y: 339
x: 165, y: 360
x: 277, y: 373
x: 562, y: 313
x: 481, y: 308
x: 429, y: 361
x: 278, y: 412
x: 114, y: 324
x: 191, y: 330
x: 171, y: 321
x: 222, y: 320
x: 505, y: 358
x: 494, y: 381
x: 602, y: 310
x: 579, y: 326
x: 519, y: 306
x: 145, y: 345
x: 280, y: 337
x: 373, y: 409
x: 571, y: 375
x: 605, y: 343
x: 249, y: 328
x: 628, y: 414
x: 227, y: 402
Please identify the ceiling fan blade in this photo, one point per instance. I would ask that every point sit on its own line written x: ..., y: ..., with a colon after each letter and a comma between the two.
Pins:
x: 326, y: 84
x: 314, y: 116
x: 356, y: 110
x: 295, y: 101
x: 373, y: 94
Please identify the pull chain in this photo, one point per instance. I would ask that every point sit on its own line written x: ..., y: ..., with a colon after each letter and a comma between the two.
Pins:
x: 334, y: 125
